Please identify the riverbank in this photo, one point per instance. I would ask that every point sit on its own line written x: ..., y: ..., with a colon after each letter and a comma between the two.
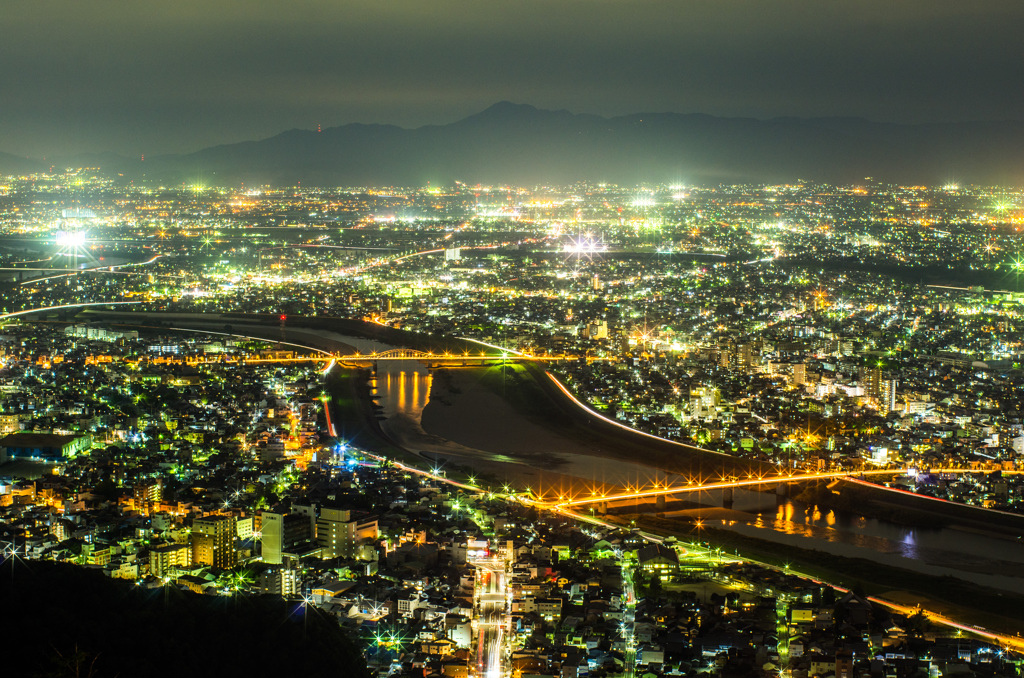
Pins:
x: 354, y: 418
x: 516, y: 410
x: 955, y: 598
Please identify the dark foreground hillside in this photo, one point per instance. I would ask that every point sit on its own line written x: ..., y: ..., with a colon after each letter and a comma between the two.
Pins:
x: 61, y: 620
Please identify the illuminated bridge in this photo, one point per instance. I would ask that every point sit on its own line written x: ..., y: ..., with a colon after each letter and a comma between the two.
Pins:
x: 413, y: 354
x: 564, y: 502
x: 398, y: 354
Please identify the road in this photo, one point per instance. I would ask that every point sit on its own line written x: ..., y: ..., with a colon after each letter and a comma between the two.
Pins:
x: 627, y: 626
x: 491, y: 614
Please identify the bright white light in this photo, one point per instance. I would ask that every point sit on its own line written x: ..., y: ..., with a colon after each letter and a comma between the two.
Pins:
x: 70, y: 239
x: 583, y: 246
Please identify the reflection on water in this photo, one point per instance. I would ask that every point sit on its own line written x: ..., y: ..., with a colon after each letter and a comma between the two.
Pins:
x: 403, y: 389
x: 989, y: 560
x: 813, y: 522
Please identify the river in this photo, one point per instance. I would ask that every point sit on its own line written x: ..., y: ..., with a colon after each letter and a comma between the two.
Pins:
x: 404, y: 390
x: 987, y: 559
x: 404, y: 393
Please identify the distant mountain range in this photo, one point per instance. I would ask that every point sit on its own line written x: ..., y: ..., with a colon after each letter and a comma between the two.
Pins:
x: 521, y: 144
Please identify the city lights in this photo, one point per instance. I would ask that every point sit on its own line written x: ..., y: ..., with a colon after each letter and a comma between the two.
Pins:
x: 449, y: 425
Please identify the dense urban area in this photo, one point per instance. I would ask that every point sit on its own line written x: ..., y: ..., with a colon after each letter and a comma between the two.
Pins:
x: 185, y: 403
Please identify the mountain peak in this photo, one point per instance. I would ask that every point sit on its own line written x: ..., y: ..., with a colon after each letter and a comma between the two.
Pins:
x: 504, y: 109
x: 519, y: 143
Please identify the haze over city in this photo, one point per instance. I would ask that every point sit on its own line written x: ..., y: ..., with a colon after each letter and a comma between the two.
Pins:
x: 145, y: 78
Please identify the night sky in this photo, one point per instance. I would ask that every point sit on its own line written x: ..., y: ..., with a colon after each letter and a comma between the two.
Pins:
x: 141, y: 76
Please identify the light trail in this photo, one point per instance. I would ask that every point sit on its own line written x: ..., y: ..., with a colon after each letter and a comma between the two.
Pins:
x: 34, y: 261
x: 491, y: 602
x: 495, y: 347
x: 330, y: 247
x: 354, y: 270
x: 852, y: 476
x: 761, y: 480
x: 327, y: 413
x: 98, y: 269
x: 442, y: 249
x: 44, y: 309
x: 1009, y: 641
x: 938, y: 499
x: 726, y: 484
x: 326, y: 355
x: 592, y: 413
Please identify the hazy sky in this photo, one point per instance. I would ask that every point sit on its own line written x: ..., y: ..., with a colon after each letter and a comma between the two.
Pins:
x: 142, y: 76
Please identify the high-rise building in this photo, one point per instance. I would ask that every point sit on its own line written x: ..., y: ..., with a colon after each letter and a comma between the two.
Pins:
x: 597, y: 330
x: 871, y: 380
x: 281, y: 532
x: 887, y: 396
x: 704, y: 402
x: 748, y: 356
x: 213, y: 541
x: 164, y: 558
x: 337, y: 533
x: 271, y: 537
x: 147, y: 494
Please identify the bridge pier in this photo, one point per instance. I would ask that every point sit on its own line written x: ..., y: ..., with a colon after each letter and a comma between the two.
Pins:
x: 659, y: 502
x: 727, y: 497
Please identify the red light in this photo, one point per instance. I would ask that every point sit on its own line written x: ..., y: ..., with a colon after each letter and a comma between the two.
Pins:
x: 282, y: 317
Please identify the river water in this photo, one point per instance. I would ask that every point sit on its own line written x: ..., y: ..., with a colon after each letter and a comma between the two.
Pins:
x: 403, y: 391
x: 403, y: 387
x: 987, y: 559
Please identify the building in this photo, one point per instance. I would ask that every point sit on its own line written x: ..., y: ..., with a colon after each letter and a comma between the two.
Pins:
x: 145, y: 495
x: 280, y: 581
x: 46, y: 446
x: 10, y: 423
x: 748, y: 356
x: 870, y: 379
x: 704, y: 402
x: 337, y: 533
x: 281, y: 532
x: 597, y: 330
x: 98, y: 333
x: 658, y: 559
x: 163, y: 559
x: 213, y: 541
x: 887, y: 396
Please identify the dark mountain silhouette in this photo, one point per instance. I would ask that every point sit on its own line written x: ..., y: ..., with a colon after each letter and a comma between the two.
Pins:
x: 15, y: 164
x: 74, y: 621
x: 520, y: 144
